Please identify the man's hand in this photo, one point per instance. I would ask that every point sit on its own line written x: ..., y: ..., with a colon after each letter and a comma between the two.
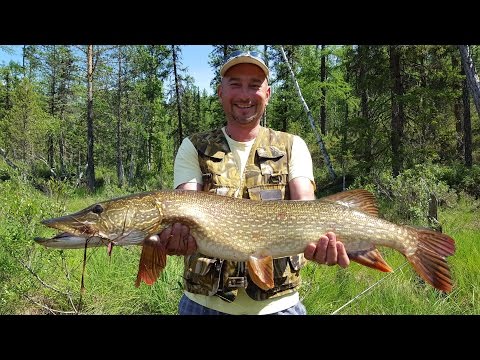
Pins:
x: 177, y: 240
x: 327, y: 251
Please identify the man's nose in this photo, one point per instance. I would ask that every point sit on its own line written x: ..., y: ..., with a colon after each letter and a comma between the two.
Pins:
x: 244, y: 92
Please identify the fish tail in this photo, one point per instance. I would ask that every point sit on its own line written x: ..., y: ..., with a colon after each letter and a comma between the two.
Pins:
x: 152, y: 261
x: 429, y: 259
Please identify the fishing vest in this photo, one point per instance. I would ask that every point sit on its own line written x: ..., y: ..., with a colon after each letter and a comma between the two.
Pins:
x: 265, y: 178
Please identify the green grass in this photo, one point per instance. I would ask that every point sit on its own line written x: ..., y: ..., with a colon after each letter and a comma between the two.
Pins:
x: 327, y: 290
x: 110, y: 286
x: 37, y: 280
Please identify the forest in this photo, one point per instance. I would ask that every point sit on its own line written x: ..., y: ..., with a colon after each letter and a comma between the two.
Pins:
x: 82, y: 123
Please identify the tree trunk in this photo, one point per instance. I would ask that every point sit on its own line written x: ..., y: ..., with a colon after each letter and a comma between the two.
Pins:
x: 345, y: 136
x: 50, y: 151
x: 264, y: 116
x: 472, y: 77
x: 8, y: 103
x: 398, y: 115
x: 53, y: 106
x: 458, y: 112
x: 61, y: 151
x: 177, y: 93
x: 326, y: 157
x: 366, y: 136
x: 467, y: 125
x: 131, y: 170
x: 323, y: 99
x: 8, y: 161
x: 90, y: 141
x: 120, y: 171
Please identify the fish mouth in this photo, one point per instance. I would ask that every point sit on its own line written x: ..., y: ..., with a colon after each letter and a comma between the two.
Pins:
x: 68, y: 224
x: 74, y: 234
x: 67, y: 240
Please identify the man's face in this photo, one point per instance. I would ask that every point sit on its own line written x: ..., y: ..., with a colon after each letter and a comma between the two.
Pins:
x: 244, y: 93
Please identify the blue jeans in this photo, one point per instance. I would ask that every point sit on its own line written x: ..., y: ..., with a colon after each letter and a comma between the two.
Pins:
x: 189, y: 307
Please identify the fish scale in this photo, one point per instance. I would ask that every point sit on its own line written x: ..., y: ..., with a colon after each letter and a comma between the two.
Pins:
x: 236, y: 234
x: 244, y: 229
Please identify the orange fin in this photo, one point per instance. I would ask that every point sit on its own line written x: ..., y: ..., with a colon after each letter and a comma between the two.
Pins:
x: 260, y: 269
x: 371, y: 258
x: 358, y: 199
x: 429, y: 258
x: 152, y: 261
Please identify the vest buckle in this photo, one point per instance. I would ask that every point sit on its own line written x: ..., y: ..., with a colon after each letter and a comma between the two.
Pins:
x: 275, y: 179
x: 237, y: 282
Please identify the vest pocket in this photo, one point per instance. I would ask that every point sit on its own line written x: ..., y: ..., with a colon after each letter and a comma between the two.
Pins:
x: 264, y: 192
x: 272, y: 161
x: 202, y: 275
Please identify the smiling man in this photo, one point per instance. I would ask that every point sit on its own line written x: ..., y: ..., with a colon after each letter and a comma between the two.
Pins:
x: 245, y: 160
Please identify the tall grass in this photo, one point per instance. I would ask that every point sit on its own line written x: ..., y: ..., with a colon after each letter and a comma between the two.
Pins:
x: 37, y: 280
x: 109, y: 283
x: 328, y: 290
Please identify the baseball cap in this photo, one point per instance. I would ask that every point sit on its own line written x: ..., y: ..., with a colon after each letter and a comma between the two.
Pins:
x: 242, y: 57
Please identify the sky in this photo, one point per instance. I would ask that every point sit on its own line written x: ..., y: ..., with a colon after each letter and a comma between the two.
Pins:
x: 194, y: 57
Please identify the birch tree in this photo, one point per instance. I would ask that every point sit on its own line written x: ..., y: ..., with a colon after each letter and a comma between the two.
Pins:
x: 328, y: 163
x: 471, y: 73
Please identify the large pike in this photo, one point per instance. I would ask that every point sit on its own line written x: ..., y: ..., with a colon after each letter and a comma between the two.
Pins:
x: 253, y: 231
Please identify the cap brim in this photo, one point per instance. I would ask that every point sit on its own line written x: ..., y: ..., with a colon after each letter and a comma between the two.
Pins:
x: 244, y: 60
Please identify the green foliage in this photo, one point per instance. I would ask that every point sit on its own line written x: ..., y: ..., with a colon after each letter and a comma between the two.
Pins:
x: 406, y: 197
x: 136, y: 108
x: 461, y: 178
x: 26, y: 125
x: 136, y: 121
x: 21, y: 209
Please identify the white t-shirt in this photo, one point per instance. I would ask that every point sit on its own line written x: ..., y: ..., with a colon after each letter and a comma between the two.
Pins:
x: 187, y: 170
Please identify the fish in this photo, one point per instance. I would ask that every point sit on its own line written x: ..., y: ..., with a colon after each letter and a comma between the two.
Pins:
x: 253, y: 231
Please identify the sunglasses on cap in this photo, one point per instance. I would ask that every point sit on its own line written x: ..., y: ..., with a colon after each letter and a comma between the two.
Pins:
x: 241, y: 56
x: 238, y: 53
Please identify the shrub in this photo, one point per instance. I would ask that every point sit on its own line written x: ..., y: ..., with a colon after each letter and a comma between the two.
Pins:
x: 406, y: 197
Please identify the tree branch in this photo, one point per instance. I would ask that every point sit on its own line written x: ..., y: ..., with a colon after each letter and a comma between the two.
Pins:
x: 26, y: 266
x: 8, y: 161
x: 53, y: 311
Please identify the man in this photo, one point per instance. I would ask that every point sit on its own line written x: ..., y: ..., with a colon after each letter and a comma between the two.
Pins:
x: 246, y: 160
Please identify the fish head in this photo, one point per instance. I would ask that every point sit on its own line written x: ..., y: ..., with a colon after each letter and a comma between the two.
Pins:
x: 86, y: 222
x: 124, y: 221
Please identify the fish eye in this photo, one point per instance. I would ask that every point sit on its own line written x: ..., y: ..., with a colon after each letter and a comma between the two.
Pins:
x: 97, y: 209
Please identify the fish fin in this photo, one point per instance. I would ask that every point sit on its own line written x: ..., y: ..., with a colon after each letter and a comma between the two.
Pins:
x: 429, y: 258
x: 152, y: 261
x: 358, y: 199
x: 260, y: 269
x: 371, y: 258
x: 435, y: 241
